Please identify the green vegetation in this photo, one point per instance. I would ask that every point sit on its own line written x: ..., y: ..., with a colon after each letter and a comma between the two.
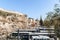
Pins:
x: 53, y: 19
x: 41, y: 21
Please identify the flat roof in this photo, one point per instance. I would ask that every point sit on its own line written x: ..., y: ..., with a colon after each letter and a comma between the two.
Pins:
x: 31, y: 33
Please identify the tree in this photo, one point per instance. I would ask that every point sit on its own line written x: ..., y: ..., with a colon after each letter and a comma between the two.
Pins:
x: 41, y: 21
x: 49, y: 15
x: 54, y: 18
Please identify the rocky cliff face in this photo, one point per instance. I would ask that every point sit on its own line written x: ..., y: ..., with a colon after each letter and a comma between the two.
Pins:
x: 11, y: 21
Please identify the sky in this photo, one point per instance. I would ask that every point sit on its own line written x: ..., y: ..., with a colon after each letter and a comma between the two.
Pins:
x: 33, y: 8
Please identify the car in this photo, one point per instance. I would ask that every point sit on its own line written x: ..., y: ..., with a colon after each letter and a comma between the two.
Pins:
x: 40, y: 38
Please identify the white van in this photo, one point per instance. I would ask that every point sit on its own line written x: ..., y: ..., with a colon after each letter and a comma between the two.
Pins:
x: 40, y: 38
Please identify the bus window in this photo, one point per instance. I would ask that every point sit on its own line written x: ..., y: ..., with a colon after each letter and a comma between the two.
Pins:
x: 36, y: 39
x: 41, y: 39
